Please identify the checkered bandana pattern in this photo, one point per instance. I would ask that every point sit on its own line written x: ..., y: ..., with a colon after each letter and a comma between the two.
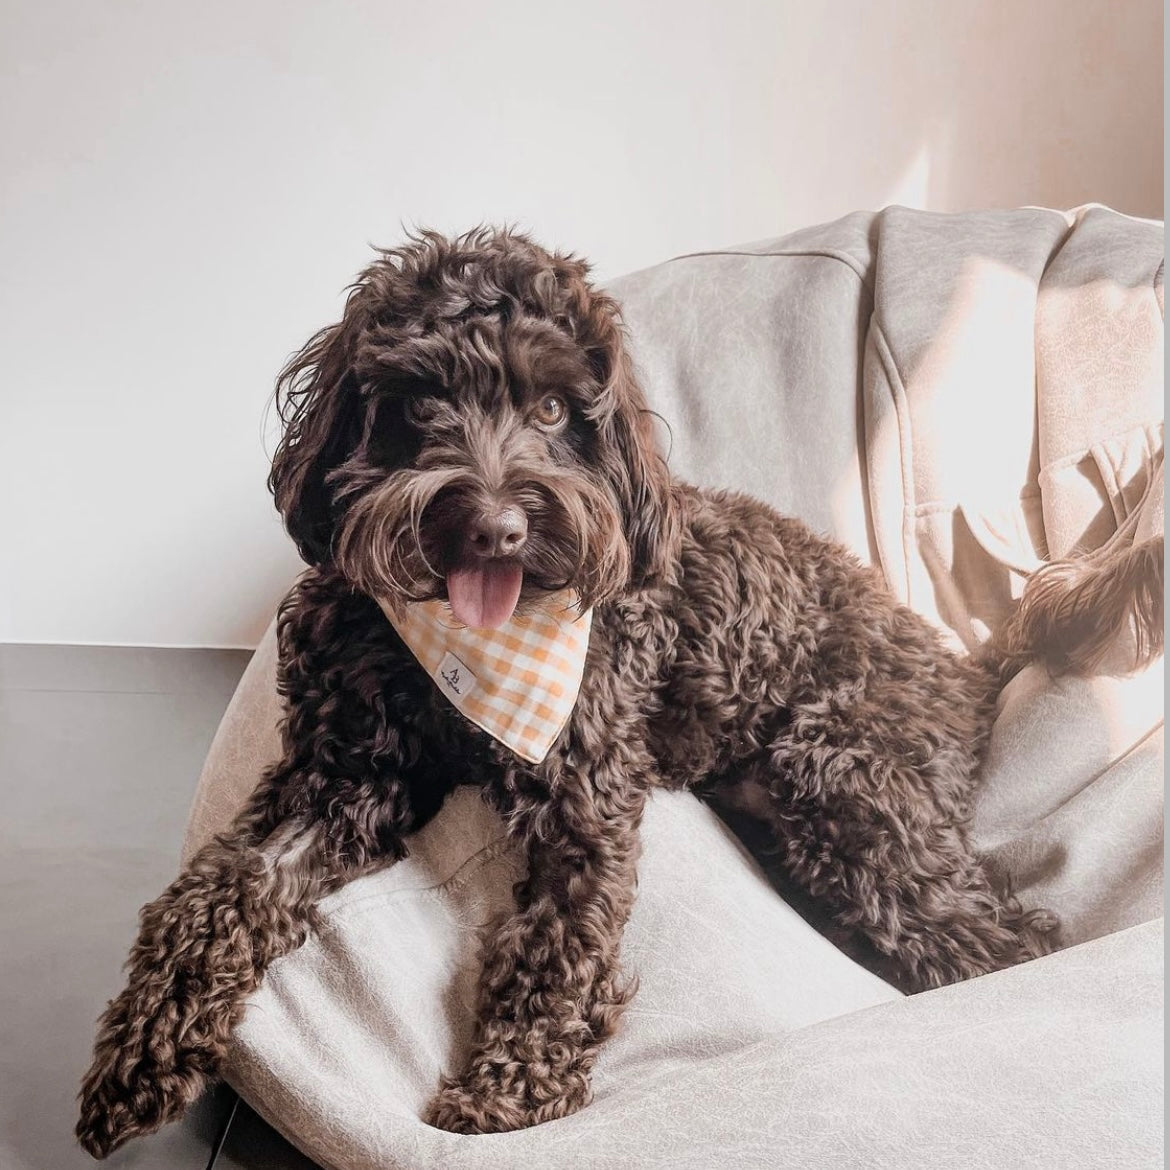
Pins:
x: 517, y: 683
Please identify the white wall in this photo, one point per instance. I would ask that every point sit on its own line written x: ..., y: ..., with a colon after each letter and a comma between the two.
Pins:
x: 187, y: 187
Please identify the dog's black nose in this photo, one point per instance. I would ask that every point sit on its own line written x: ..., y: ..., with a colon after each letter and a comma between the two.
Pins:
x: 500, y: 534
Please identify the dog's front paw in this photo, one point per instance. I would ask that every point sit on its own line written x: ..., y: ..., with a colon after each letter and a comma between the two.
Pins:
x: 460, y: 1110
x: 113, y: 1113
x: 1039, y: 932
x: 126, y: 1094
x: 477, y: 1104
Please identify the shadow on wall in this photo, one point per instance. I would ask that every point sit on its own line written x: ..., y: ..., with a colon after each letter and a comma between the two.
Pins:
x: 996, y: 105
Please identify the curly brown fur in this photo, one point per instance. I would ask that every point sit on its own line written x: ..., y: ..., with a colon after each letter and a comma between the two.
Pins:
x: 733, y: 652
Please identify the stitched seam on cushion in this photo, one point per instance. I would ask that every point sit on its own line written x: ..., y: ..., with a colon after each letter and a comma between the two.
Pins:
x: 847, y: 258
x: 1007, y: 836
x: 1066, y: 461
x: 1129, y: 523
x: 1115, y: 463
x: 933, y: 507
x: 905, y: 443
x: 1109, y: 470
x: 1129, y: 751
x: 865, y: 279
x: 456, y: 881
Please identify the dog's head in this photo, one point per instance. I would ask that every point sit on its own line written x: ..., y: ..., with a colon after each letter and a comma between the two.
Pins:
x: 471, y: 429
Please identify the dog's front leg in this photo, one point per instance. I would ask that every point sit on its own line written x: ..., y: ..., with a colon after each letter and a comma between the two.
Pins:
x: 551, y: 990
x: 202, y: 947
x: 340, y: 803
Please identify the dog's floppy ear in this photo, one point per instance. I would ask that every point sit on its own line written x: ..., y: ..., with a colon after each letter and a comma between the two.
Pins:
x: 631, y: 456
x: 318, y: 401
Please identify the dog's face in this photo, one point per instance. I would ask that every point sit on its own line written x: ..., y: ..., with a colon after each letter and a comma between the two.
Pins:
x: 472, y: 430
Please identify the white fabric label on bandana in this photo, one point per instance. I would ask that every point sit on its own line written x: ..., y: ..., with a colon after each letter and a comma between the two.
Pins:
x: 518, y: 683
x: 456, y: 681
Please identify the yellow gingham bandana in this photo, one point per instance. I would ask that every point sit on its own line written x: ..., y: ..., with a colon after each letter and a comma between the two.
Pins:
x: 517, y: 683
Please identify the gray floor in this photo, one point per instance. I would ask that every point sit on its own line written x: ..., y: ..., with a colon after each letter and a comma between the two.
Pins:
x: 100, y: 748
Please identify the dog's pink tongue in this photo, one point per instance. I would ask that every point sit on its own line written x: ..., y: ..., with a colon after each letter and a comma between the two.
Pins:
x: 484, y: 596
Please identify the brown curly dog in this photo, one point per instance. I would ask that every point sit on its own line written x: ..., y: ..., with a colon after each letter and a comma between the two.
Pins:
x: 474, y: 415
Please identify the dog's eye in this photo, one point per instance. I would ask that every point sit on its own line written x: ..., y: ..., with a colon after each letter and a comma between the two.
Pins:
x: 550, y: 411
x: 418, y: 411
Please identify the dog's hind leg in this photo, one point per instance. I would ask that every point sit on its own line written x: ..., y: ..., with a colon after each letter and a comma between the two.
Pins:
x: 869, y: 806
